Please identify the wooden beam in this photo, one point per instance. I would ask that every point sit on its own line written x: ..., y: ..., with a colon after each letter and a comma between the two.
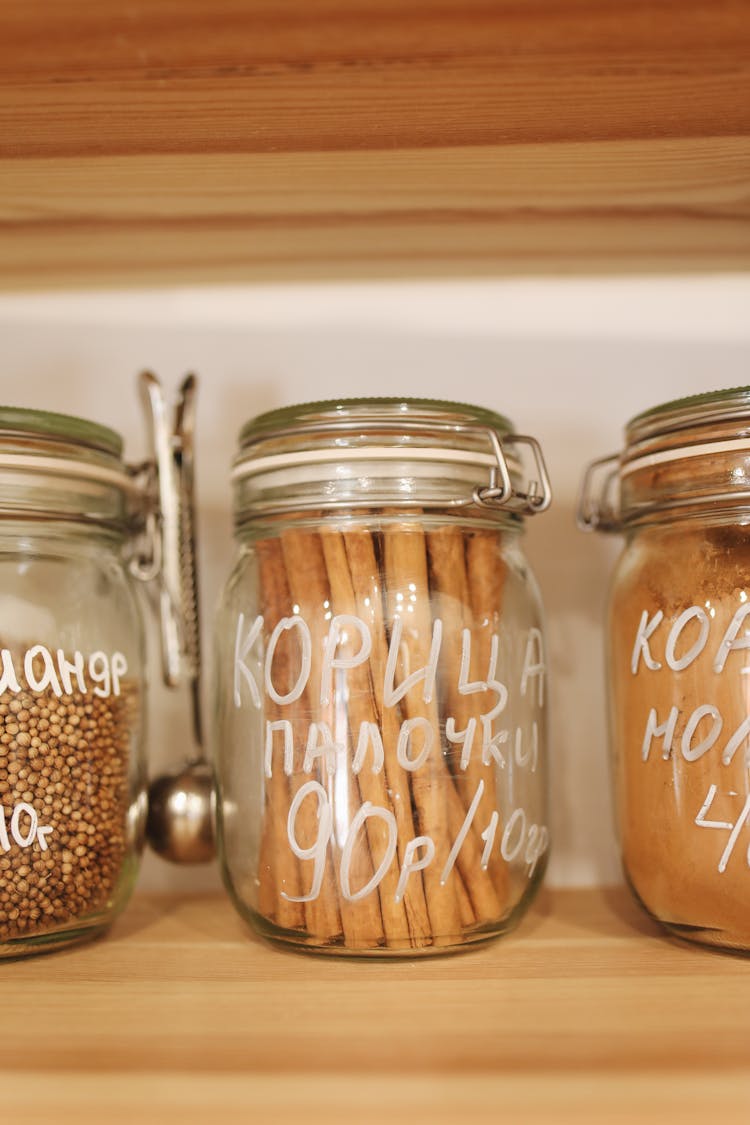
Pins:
x: 198, y: 141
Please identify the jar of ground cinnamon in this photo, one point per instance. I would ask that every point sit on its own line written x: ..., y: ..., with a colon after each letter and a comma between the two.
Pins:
x: 381, y: 738
x: 678, y: 641
x: 76, y: 525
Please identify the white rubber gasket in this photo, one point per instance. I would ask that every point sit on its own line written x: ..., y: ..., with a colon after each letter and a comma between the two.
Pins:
x: 684, y: 452
x: 59, y: 466
x: 401, y: 454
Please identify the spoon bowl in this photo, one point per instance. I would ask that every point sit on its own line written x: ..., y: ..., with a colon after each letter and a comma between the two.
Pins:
x: 180, y: 822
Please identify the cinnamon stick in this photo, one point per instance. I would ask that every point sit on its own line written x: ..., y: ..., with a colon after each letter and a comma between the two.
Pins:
x: 488, y: 895
x: 278, y: 869
x: 361, y: 711
x: 466, y: 572
x: 321, y: 914
x: 465, y: 906
x: 321, y: 575
x: 367, y: 586
x: 408, y: 600
x: 310, y: 590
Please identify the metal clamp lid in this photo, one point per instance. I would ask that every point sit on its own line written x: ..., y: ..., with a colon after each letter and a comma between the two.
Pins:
x: 537, y: 495
x: 637, y: 485
x: 499, y: 494
x: 598, y: 502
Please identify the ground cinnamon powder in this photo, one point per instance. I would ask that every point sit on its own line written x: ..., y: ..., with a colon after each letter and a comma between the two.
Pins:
x: 679, y: 655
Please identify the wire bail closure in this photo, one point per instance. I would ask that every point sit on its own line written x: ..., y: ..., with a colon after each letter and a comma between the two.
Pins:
x: 501, y: 494
x: 599, y: 499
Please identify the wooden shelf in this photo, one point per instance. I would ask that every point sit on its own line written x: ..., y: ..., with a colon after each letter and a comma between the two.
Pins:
x: 161, y: 141
x: 586, y: 1013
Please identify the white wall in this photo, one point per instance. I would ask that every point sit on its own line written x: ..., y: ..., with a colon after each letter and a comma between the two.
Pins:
x: 569, y: 361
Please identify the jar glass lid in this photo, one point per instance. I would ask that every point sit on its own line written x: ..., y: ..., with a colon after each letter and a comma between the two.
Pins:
x: 685, y: 457
x: 60, y: 466
x: 355, y: 413
x: 712, y: 407
x: 372, y: 452
x: 20, y: 422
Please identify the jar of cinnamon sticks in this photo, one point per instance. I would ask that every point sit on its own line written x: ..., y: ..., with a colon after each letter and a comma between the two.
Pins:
x: 381, y: 736
x: 678, y: 640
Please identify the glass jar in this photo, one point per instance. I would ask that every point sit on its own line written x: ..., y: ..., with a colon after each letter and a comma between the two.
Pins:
x: 381, y: 701
x: 677, y: 640
x: 76, y: 524
x: 71, y: 689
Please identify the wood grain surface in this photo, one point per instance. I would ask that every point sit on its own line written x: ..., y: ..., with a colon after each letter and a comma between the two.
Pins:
x: 161, y: 141
x: 585, y: 1013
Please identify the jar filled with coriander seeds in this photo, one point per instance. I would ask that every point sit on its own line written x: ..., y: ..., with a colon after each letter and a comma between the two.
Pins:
x: 380, y: 702
x: 78, y: 528
x: 678, y: 632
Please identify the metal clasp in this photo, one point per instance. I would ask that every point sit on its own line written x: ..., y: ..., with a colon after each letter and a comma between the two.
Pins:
x: 501, y: 493
x: 598, y: 503
x: 145, y: 559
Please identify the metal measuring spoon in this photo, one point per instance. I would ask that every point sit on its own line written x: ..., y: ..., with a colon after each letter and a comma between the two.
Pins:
x: 180, y: 821
x: 179, y: 826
